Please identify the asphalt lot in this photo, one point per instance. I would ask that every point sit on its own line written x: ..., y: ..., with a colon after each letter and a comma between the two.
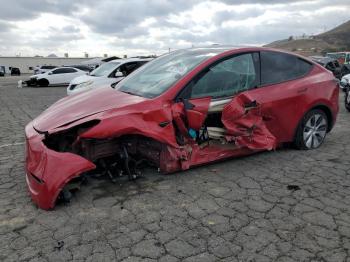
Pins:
x: 237, y: 210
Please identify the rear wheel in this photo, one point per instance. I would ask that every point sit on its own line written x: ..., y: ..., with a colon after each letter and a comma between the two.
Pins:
x: 312, y: 130
x: 43, y: 82
x: 347, y: 99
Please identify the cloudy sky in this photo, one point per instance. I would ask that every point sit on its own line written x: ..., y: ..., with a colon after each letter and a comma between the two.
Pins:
x: 134, y: 27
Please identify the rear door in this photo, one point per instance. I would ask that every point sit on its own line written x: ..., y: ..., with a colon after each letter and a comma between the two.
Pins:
x: 63, y: 75
x: 282, y: 92
x: 70, y: 74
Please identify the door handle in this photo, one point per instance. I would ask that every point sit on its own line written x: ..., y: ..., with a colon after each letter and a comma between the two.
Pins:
x: 303, y: 90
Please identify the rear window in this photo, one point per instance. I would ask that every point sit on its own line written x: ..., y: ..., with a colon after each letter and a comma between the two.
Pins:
x: 280, y: 67
x: 64, y: 70
x: 48, y: 67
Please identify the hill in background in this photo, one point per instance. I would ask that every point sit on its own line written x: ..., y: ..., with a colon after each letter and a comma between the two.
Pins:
x: 337, y: 39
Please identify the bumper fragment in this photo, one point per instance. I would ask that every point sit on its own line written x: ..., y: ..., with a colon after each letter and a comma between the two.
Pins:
x: 48, y: 171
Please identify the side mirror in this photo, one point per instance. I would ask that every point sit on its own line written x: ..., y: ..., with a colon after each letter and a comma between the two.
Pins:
x: 118, y: 74
x: 50, y: 73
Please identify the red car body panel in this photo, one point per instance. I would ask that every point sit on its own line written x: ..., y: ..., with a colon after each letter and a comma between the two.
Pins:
x: 47, y: 171
x: 246, y: 126
x: 82, y: 106
x: 272, y: 121
x: 197, y: 115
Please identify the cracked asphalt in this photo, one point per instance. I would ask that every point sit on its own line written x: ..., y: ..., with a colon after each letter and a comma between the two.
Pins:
x: 285, y: 205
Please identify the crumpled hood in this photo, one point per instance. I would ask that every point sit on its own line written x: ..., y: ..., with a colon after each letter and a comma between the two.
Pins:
x: 75, y: 107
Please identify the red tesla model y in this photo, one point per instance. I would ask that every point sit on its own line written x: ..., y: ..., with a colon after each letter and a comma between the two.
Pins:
x: 183, y: 109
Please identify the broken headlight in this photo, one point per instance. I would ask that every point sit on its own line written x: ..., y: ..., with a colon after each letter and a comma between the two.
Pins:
x: 65, y: 141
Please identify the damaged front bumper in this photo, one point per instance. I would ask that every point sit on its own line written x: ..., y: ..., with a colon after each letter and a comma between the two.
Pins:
x: 48, y: 171
x: 32, y: 81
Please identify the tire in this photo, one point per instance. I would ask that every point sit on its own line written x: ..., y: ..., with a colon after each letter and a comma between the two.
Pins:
x: 347, y: 99
x: 312, y: 130
x: 43, y: 82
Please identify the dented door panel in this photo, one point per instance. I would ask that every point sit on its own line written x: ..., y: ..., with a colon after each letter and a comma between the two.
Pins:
x: 197, y: 114
x: 245, y: 124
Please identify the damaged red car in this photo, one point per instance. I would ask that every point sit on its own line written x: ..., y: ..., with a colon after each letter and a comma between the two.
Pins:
x: 184, y: 109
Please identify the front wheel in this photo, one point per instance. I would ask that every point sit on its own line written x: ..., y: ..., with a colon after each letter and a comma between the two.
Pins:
x: 43, y: 82
x: 312, y: 130
x: 347, y: 99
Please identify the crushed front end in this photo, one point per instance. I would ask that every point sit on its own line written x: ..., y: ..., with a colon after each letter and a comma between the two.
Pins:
x: 48, y: 171
x: 58, y: 161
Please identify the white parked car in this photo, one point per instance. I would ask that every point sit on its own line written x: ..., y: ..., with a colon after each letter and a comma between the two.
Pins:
x: 106, y: 74
x: 43, y: 69
x: 57, y: 76
x: 345, y: 82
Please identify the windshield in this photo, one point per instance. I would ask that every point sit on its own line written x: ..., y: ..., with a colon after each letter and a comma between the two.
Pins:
x: 104, y: 69
x: 157, y: 76
x: 336, y: 55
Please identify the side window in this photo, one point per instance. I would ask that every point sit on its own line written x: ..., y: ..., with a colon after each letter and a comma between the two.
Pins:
x: 279, y: 67
x: 140, y: 63
x: 129, y: 67
x: 70, y: 70
x: 231, y: 76
x: 64, y: 71
x: 58, y: 71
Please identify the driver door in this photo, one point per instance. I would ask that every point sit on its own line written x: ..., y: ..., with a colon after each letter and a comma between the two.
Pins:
x: 55, y: 76
x: 206, y: 95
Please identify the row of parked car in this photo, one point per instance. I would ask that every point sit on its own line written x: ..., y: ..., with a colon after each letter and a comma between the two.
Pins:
x: 339, y: 64
x: 332, y: 64
x: 80, y: 78
x: 14, y: 71
x: 46, y: 68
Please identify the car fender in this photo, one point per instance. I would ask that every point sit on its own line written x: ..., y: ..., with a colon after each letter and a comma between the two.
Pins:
x: 318, y: 104
x: 155, y: 123
x: 39, y: 78
x: 48, y: 172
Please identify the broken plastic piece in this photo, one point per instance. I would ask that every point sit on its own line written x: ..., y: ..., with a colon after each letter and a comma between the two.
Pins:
x: 192, y: 133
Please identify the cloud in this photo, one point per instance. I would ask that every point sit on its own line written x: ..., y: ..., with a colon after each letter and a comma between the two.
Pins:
x: 137, y: 26
x: 56, y: 37
x: 5, y: 26
x: 263, y: 2
x: 223, y: 16
x: 29, y: 9
x: 118, y: 17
